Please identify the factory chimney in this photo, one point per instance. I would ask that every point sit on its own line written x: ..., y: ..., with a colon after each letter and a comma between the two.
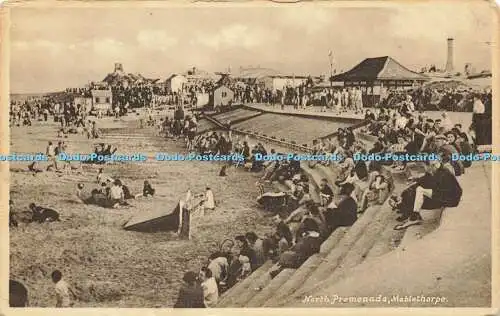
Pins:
x: 449, y: 60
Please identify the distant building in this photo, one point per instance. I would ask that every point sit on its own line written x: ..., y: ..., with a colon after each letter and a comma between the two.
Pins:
x: 175, y: 83
x: 221, y: 96
x: 102, y: 100
x: 374, y: 76
x: 252, y: 74
x: 279, y: 82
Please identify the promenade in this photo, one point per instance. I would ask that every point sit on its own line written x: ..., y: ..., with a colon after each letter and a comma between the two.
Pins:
x: 464, y: 118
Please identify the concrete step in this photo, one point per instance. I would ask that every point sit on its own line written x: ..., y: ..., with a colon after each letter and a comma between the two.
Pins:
x: 388, y: 240
x: 314, y: 181
x: 358, y: 252
x: 254, y: 287
x: 431, y: 221
x: 335, y: 257
x: 398, y: 176
x: 458, y: 252
x: 299, y: 277
x: 333, y: 240
x: 329, y: 173
x: 313, y: 175
x: 295, y: 281
x: 227, y: 298
x: 270, y: 290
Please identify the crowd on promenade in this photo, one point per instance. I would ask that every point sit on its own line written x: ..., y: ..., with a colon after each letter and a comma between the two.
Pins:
x: 302, y: 224
x: 439, y: 99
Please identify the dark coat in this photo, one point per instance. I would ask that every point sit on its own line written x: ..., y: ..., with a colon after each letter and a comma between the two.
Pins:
x: 446, y: 188
x: 302, y: 250
x: 345, y: 214
x: 190, y: 297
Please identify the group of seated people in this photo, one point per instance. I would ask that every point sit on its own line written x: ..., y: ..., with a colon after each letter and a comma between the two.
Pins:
x: 223, y: 269
x: 112, y: 192
x: 415, y: 134
x: 213, y: 143
x: 101, y: 150
x: 301, y: 225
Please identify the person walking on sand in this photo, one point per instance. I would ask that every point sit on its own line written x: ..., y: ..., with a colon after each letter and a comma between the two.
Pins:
x: 62, y: 290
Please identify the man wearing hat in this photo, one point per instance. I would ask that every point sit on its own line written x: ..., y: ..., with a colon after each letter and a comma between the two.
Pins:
x: 191, y: 293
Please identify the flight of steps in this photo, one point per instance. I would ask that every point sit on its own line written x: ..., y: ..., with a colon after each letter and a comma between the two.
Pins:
x: 372, y: 236
x: 343, y: 249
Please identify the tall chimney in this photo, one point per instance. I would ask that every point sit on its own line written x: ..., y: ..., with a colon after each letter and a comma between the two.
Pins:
x: 449, y: 60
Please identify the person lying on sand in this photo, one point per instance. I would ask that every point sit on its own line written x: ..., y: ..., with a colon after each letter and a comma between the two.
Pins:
x: 43, y: 214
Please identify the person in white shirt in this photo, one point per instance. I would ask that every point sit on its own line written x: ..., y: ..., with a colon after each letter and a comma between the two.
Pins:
x: 478, y: 107
x: 401, y: 121
x: 358, y: 95
x: 50, y: 150
x: 62, y: 290
x: 345, y: 99
x: 219, y: 266
x: 208, y: 201
x: 210, y: 288
x: 116, y: 193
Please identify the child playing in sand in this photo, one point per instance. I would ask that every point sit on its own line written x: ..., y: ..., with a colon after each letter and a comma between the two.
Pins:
x: 62, y: 289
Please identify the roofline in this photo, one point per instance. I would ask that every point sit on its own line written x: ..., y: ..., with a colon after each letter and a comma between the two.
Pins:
x: 422, y: 77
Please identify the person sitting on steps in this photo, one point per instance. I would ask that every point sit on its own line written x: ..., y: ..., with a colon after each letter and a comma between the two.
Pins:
x: 436, y: 189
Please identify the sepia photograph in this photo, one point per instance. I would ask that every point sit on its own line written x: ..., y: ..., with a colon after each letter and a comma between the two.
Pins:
x: 250, y: 156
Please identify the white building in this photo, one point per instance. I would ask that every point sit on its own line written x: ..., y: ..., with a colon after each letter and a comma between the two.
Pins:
x: 175, y: 83
x: 279, y: 82
x: 102, y: 100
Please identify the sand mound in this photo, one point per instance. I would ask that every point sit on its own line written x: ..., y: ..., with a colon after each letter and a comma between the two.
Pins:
x: 99, y: 291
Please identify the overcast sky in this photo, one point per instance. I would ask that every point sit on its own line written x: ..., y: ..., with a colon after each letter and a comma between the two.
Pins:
x: 68, y: 47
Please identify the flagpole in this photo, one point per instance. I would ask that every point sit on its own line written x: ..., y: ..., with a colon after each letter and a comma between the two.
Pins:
x: 330, y: 55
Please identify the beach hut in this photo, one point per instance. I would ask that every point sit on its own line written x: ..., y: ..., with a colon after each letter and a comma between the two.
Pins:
x: 222, y: 96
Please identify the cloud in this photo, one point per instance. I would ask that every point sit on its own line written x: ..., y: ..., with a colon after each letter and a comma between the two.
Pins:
x: 309, y: 19
x: 107, y: 47
x: 156, y: 40
x: 38, y: 45
x: 236, y: 35
x: 437, y: 23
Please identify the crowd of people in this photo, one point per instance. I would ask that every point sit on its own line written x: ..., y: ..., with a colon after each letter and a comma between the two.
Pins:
x: 406, y: 131
x: 302, y: 224
x: 434, y: 99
